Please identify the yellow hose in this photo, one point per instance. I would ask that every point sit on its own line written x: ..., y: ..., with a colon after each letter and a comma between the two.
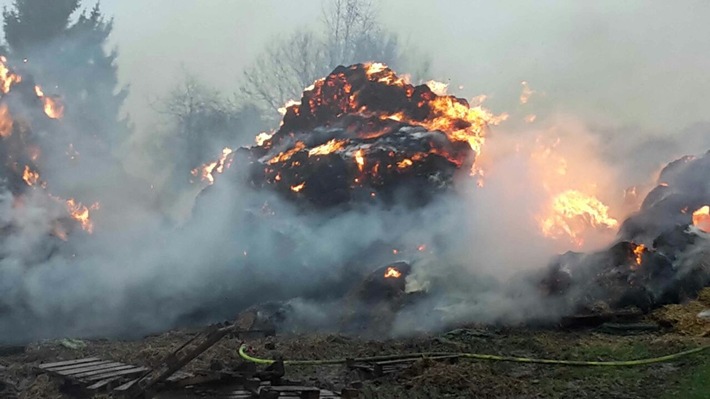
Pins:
x: 478, y: 356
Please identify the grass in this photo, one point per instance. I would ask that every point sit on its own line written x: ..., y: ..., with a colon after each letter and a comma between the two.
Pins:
x: 696, y: 384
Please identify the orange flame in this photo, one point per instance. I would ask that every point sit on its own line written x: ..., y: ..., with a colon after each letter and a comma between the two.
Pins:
x: 7, y: 78
x: 262, y: 137
x: 205, y: 172
x: 572, y: 213
x: 285, y: 156
x: 30, y: 177
x: 52, y: 108
x: 289, y: 104
x: 392, y: 272
x: 701, y: 219
x: 80, y: 213
x: 298, y: 187
x: 5, y: 121
x: 638, y: 255
x: 405, y: 163
x: 360, y: 160
x: 327, y: 148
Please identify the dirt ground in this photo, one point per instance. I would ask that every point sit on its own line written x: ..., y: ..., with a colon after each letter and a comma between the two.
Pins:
x: 426, y: 379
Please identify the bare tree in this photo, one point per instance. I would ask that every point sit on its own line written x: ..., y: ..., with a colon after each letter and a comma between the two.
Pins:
x: 199, y: 122
x: 284, y: 69
x: 350, y: 34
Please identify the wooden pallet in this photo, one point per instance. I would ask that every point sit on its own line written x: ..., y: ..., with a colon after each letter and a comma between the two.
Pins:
x: 93, y: 373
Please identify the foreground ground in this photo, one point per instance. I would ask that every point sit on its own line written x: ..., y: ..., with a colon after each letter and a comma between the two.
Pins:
x: 688, y: 377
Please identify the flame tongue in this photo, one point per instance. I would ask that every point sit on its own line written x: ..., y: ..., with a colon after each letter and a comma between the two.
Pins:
x: 638, y: 255
x: 52, y: 108
x: 7, y: 78
x: 701, y: 218
x: 206, y: 171
x: 572, y: 213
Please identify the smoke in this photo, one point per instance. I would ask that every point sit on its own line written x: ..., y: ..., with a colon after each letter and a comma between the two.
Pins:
x: 609, y: 115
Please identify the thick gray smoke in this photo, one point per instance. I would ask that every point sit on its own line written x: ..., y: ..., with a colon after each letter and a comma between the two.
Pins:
x: 142, y: 271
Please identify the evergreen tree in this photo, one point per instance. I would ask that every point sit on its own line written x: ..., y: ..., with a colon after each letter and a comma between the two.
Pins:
x: 35, y: 23
x: 67, y: 56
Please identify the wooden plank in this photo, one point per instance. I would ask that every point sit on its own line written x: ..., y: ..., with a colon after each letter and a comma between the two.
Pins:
x: 76, y: 366
x: 86, y: 374
x: 91, y: 367
x: 128, y: 372
x: 68, y: 362
x: 125, y: 386
x: 101, y: 384
x: 181, y: 357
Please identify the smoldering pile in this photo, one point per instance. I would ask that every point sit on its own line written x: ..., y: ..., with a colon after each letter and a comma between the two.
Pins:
x: 363, y: 134
x: 662, y: 254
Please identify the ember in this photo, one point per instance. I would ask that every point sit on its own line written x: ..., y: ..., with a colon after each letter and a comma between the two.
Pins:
x: 392, y: 272
x: 638, y: 255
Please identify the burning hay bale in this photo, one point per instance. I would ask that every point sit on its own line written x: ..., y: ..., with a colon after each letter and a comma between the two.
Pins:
x: 364, y: 134
x: 663, y: 256
x: 681, y: 198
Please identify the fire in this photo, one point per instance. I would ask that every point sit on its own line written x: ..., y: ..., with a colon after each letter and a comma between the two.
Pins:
x: 30, y: 177
x: 7, y: 78
x: 572, y: 213
x: 458, y: 120
x: 638, y: 255
x: 701, y: 218
x: 288, y: 104
x: 52, y: 108
x: 298, y: 187
x: 461, y: 123
x: 360, y: 160
x: 5, y: 121
x: 80, y: 213
x: 405, y: 163
x: 205, y: 172
x: 381, y: 125
x: 327, y: 148
x: 439, y: 88
x: 263, y: 137
x: 375, y: 68
x: 392, y: 272
x: 286, y: 155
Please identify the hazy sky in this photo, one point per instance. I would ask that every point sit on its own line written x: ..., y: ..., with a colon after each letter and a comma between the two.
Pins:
x: 630, y: 62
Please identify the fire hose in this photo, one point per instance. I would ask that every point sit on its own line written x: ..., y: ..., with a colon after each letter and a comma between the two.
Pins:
x: 478, y: 356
